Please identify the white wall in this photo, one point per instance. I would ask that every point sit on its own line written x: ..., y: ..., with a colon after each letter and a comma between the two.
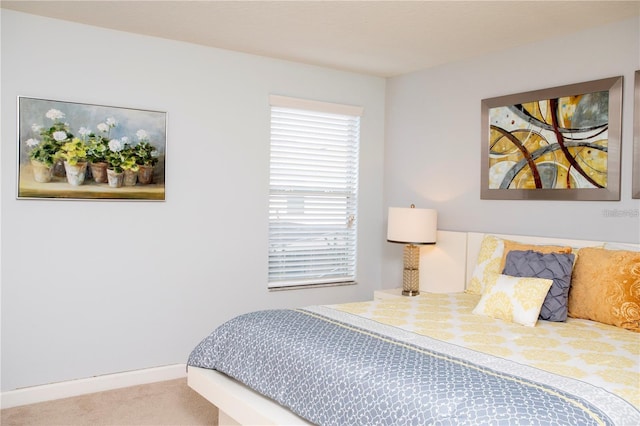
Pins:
x: 91, y: 288
x: 432, y: 150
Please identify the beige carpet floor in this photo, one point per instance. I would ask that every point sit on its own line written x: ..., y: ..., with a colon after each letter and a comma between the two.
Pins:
x: 164, y: 403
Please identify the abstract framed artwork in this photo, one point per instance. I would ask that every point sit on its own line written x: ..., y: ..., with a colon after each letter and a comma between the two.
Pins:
x: 635, y: 186
x: 70, y: 150
x: 561, y: 143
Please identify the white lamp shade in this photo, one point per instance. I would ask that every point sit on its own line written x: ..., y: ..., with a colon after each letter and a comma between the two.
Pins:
x: 412, y: 226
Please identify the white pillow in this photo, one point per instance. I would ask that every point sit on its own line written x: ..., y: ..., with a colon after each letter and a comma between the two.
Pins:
x: 513, y: 299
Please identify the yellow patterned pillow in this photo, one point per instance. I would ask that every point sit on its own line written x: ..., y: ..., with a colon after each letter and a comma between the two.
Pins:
x: 489, y: 259
x: 513, y: 299
x: 513, y: 245
x: 492, y: 256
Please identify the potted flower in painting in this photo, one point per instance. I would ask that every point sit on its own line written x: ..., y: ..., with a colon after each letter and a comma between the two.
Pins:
x: 98, y: 148
x: 42, y: 157
x: 74, y: 155
x: 146, y: 157
x: 114, y: 157
x: 43, y: 151
x: 129, y: 165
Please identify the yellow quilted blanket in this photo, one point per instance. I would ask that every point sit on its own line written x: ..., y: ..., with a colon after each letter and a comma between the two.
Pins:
x: 603, y: 355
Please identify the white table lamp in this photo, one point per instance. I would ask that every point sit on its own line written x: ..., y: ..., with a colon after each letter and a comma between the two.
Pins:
x: 412, y: 227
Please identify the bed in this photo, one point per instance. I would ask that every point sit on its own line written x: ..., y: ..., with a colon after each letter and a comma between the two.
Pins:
x: 446, y: 358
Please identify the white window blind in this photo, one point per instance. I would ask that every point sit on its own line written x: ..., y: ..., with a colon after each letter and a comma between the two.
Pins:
x: 313, y: 191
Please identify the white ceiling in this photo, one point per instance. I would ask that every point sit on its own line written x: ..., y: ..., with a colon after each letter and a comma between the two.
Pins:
x: 382, y: 38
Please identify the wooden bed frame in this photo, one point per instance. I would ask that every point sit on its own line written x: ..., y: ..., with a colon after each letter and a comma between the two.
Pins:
x: 451, y: 261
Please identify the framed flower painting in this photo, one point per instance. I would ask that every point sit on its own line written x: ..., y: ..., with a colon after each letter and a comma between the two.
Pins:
x: 70, y: 150
x: 561, y: 143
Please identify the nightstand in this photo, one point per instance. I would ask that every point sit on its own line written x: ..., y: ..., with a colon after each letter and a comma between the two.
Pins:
x: 388, y: 293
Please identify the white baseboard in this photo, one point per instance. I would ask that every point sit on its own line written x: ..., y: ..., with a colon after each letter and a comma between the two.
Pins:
x: 70, y: 388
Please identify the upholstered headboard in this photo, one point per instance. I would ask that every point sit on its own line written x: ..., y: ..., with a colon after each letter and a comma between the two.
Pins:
x: 447, y: 266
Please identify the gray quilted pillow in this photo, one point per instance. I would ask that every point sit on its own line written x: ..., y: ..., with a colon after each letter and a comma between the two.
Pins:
x: 554, y: 266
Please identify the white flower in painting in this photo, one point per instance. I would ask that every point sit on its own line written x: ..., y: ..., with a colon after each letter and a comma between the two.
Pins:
x: 60, y: 135
x: 32, y: 142
x: 36, y: 127
x: 142, y: 135
x: 84, y: 131
x: 103, y: 127
x: 124, y: 140
x: 54, y: 114
x: 115, y: 145
x: 111, y: 122
x: 155, y: 153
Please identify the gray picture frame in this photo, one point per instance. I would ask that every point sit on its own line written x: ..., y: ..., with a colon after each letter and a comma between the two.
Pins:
x: 635, y: 186
x: 601, y: 141
x: 40, y: 119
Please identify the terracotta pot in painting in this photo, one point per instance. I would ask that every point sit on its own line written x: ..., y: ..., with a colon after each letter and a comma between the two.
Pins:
x: 145, y: 175
x: 99, y: 172
x: 75, y: 173
x: 41, y: 172
x: 58, y: 168
x: 130, y: 178
x: 115, y: 179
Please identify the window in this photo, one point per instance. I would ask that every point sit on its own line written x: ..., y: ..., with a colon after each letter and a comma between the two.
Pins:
x: 313, y: 189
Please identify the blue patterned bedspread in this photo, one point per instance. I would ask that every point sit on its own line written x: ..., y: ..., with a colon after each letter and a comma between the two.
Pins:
x: 331, y: 370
